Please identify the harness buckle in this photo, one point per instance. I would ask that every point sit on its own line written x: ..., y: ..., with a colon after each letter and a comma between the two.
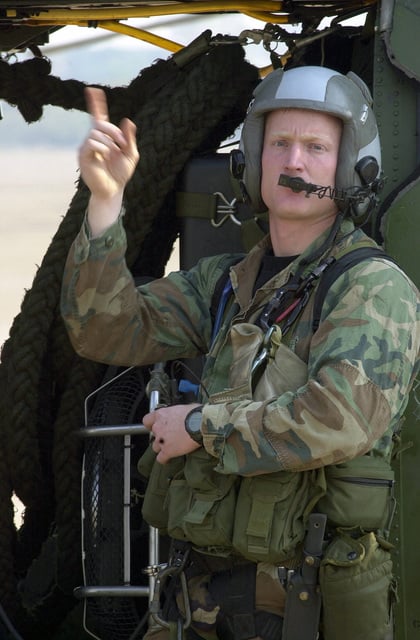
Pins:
x: 269, y: 347
x: 273, y: 304
x: 152, y: 570
x: 262, y: 356
x: 224, y: 211
x: 173, y: 569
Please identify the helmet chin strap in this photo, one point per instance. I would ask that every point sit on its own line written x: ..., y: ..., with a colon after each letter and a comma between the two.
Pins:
x: 328, y: 242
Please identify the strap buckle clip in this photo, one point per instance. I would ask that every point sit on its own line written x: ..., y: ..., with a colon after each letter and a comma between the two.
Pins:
x: 173, y: 569
x: 224, y: 210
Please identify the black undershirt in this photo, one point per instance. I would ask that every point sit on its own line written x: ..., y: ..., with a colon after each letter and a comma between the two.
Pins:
x: 270, y: 266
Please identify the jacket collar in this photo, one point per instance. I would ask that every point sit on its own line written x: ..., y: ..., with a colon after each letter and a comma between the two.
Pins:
x: 244, y: 273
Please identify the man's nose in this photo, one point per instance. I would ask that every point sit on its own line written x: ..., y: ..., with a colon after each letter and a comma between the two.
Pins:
x: 294, y: 158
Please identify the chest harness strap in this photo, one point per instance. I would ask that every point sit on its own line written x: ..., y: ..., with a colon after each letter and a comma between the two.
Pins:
x: 289, y: 300
x: 296, y: 292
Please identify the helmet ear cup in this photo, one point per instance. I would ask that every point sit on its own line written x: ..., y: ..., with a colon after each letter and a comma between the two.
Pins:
x: 368, y: 169
x: 237, y: 170
x: 237, y: 164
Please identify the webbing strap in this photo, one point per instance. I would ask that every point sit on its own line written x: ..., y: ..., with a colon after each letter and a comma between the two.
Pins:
x: 196, y: 205
x: 227, y: 290
x: 338, y: 267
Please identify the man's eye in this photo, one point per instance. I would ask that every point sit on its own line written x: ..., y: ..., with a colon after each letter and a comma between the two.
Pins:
x: 316, y: 146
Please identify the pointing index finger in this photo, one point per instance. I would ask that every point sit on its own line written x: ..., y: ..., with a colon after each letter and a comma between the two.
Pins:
x: 96, y: 103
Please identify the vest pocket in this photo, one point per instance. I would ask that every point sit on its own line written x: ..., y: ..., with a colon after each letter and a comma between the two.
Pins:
x: 155, y: 508
x: 271, y: 512
x: 360, y: 493
x: 201, y: 503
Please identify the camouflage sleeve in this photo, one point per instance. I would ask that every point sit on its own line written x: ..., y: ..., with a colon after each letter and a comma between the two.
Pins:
x: 109, y: 320
x: 361, y: 366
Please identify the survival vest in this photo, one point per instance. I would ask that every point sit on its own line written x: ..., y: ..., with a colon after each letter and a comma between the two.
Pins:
x: 263, y: 517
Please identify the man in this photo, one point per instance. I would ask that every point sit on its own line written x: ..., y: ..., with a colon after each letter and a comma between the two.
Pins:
x: 282, y: 409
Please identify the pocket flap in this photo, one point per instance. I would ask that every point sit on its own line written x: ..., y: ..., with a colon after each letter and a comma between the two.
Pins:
x: 344, y: 551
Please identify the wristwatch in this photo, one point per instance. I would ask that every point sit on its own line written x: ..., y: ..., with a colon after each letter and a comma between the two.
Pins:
x: 193, y: 424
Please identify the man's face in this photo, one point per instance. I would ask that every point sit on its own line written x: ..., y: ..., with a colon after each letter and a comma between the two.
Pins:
x: 299, y: 143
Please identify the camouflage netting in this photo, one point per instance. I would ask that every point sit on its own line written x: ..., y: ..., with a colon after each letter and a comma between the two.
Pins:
x: 182, y: 106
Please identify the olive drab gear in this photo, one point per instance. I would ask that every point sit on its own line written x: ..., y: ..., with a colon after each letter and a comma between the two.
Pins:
x: 327, y: 91
x: 273, y: 511
x: 357, y: 586
x: 254, y: 514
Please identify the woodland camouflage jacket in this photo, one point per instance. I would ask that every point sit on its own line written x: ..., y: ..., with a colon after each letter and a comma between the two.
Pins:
x: 360, y: 362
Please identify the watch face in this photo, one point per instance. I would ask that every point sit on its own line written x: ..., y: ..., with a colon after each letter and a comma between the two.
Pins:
x: 193, y: 421
x: 193, y: 425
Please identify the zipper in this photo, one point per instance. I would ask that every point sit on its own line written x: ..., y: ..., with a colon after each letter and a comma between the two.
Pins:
x: 373, y: 482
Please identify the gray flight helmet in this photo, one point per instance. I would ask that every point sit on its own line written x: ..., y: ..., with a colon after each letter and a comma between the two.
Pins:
x: 318, y: 89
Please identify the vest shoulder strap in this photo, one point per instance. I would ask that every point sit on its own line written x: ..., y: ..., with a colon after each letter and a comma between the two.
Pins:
x: 216, y: 299
x: 335, y: 269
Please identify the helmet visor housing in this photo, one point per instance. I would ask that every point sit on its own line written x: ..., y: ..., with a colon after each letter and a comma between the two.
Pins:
x: 318, y: 89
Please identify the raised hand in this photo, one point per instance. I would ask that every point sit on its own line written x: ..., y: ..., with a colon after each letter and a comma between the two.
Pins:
x: 107, y: 159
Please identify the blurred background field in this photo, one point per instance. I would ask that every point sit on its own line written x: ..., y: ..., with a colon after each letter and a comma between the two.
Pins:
x: 37, y: 185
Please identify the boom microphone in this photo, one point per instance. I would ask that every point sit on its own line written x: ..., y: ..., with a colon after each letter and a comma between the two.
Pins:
x: 297, y: 185
x: 367, y: 169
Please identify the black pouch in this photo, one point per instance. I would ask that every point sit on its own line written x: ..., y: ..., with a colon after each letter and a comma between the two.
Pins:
x: 357, y: 589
